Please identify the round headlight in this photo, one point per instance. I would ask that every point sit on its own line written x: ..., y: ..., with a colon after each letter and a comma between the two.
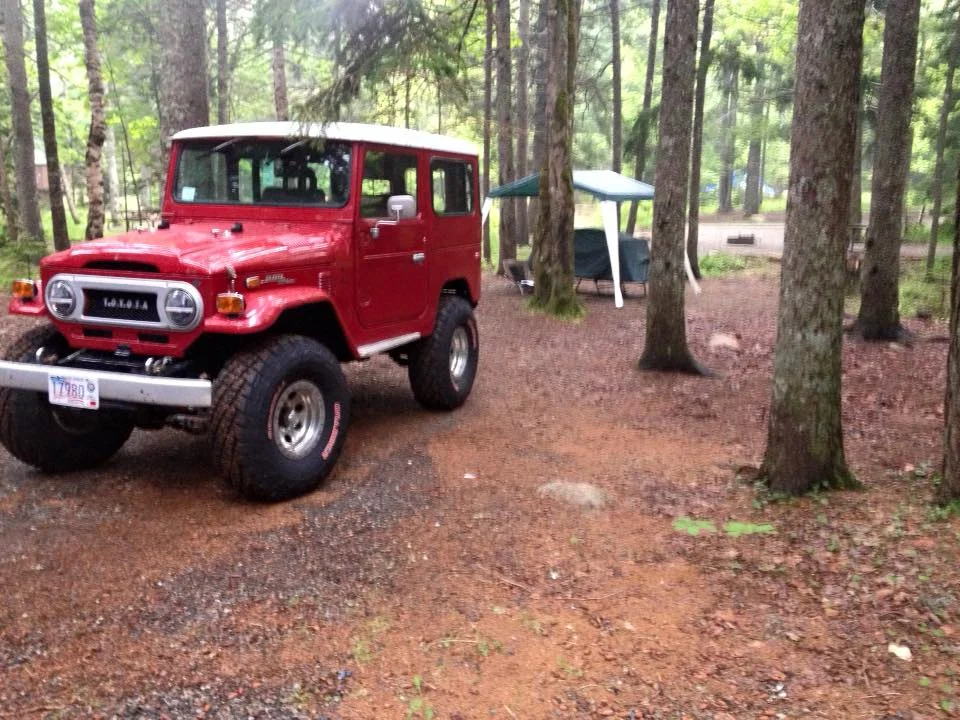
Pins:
x: 181, y: 308
x: 61, y: 299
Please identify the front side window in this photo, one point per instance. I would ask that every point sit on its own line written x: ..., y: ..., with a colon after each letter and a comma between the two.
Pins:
x: 452, y: 187
x: 246, y: 171
x: 386, y: 174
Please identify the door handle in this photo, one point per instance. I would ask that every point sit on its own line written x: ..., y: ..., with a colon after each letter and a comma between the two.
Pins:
x: 419, y: 257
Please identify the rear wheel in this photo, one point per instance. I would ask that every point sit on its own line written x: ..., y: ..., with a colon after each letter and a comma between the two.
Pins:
x: 280, y: 416
x: 51, y: 438
x: 444, y: 366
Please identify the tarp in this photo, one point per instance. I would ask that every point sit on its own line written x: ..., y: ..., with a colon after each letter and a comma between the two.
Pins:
x: 591, y: 259
x: 602, y: 184
x: 608, y: 187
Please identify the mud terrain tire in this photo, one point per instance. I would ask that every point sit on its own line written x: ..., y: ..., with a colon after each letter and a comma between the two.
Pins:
x: 280, y: 416
x: 52, y: 439
x: 444, y: 365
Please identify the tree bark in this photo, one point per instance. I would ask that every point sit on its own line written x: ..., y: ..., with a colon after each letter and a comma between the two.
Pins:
x: 487, y: 120
x: 753, y: 191
x: 183, y: 79
x: 112, y: 180
x: 11, y: 231
x: 642, y: 125
x: 696, y: 152
x: 936, y: 190
x: 540, y: 126
x: 856, y: 182
x: 506, y: 165
x: 879, y: 317
x: 98, y: 122
x: 805, y: 434
x: 25, y: 179
x: 665, y: 345
x: 616, y: 142
x: 728, y: 153
x: 223, y: 65
x: 553, y: 287
x: 281, y: 103
x: 61, y: 235
x: 68, y: 195
x: 523, y: 126
x: 949, y: 489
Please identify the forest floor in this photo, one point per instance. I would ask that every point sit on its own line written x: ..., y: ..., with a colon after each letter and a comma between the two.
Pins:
x: 431, y: 578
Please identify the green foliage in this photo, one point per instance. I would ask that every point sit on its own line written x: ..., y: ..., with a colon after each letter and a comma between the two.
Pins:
x: 738, y: 529
x: 694, y: 527
x: 721, y: 263
x: 920, y: 294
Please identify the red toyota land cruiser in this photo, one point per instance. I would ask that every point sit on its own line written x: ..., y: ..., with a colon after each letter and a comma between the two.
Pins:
x: 283, y: 250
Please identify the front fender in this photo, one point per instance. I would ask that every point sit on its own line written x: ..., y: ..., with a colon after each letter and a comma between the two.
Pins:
x: 265, y: 307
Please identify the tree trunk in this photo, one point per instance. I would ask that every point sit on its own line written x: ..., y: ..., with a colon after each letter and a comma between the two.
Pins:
x: 665, y: 345
x: 540, y: 126
x: 25, y: 180
x: 805, y: 433
x: 553, y: 287
x: 616, y: 141
x: 12, y: 234
x: 936, y: 190
x: 753, y: 191
x: 183, y: 82
x: 507, y: 172
x: 728, y: 154
x: 281, y: 103
x: 223, y: 65
x: 642, y: 126
x: 523, y: 126
x: 856, y: 182
x: 61, y: 235
x: 696, y: 152
x: 98, y: 122
x: 68, y: 195
x: 879, y: 317
x: 487, y: 120
x: 112, y: 179
x: 949, y: 489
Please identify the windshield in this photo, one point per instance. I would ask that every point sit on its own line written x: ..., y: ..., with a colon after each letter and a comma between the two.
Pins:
x: 250, y: 171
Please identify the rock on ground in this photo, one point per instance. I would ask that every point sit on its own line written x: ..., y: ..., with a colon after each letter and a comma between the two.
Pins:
x: 578, y: 494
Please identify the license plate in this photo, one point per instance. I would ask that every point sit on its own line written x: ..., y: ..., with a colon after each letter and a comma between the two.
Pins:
x: 76, y: 391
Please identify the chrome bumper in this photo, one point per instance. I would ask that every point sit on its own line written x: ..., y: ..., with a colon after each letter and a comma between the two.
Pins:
x: 138, y: 389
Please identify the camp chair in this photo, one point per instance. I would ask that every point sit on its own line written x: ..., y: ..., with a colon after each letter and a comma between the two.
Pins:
x: 516, y: 272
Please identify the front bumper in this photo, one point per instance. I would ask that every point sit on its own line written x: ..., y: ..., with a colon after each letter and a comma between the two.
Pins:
x: 122, y: 387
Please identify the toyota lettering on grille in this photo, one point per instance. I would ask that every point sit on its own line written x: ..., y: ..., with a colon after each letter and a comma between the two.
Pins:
x: 115, y: 303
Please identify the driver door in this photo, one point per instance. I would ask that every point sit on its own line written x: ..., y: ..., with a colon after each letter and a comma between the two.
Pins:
x: 392, y: 262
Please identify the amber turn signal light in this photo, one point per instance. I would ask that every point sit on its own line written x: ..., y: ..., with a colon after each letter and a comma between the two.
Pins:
x: 24, y: 289
x: 230, y: 303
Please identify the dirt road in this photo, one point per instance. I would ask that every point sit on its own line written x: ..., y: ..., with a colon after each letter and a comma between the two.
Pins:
x: 431, y: 579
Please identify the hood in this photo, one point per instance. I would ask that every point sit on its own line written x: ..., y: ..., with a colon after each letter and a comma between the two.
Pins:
x: 206, y: 249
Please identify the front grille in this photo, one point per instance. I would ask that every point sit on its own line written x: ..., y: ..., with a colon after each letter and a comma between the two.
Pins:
x: 121, y: 305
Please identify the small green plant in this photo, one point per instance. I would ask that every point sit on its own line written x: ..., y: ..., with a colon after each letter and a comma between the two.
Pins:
x: 721, y: 263
x: 417, y: 706
x: 737, y: 529
x: 569, y: 670
x: 925, y: 682
x: 942, y: 513
x: 692, y: 526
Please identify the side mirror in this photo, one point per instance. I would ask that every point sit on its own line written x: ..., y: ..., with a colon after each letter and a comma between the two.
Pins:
x: 402, y: 207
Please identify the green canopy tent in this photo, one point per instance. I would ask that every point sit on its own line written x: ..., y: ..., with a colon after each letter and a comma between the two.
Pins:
x: 609, y: 188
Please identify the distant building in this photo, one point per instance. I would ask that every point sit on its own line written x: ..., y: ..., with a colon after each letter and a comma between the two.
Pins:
x: 40, y: 169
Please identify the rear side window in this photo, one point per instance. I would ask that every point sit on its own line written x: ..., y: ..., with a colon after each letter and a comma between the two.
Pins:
x: 386, y: 174
x: 451, y: 187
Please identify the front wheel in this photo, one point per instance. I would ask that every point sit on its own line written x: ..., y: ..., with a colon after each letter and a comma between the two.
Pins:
x: 51, y: 438
x: 280, y: 416
x: 444, y: 366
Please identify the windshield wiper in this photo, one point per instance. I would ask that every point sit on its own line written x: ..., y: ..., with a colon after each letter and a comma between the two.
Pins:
x: 294, y: 146
x: 222, y: 146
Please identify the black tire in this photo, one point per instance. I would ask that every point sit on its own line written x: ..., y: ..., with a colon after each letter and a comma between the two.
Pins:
x: 435, y: 382
x: 55, y: 439
x: 249, y: 395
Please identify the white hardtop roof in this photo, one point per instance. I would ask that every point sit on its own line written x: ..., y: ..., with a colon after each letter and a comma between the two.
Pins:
x: 349, y: 132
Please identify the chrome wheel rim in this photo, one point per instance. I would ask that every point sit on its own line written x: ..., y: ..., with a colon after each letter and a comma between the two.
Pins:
x: 459, y: 353
x: 298, y: 419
